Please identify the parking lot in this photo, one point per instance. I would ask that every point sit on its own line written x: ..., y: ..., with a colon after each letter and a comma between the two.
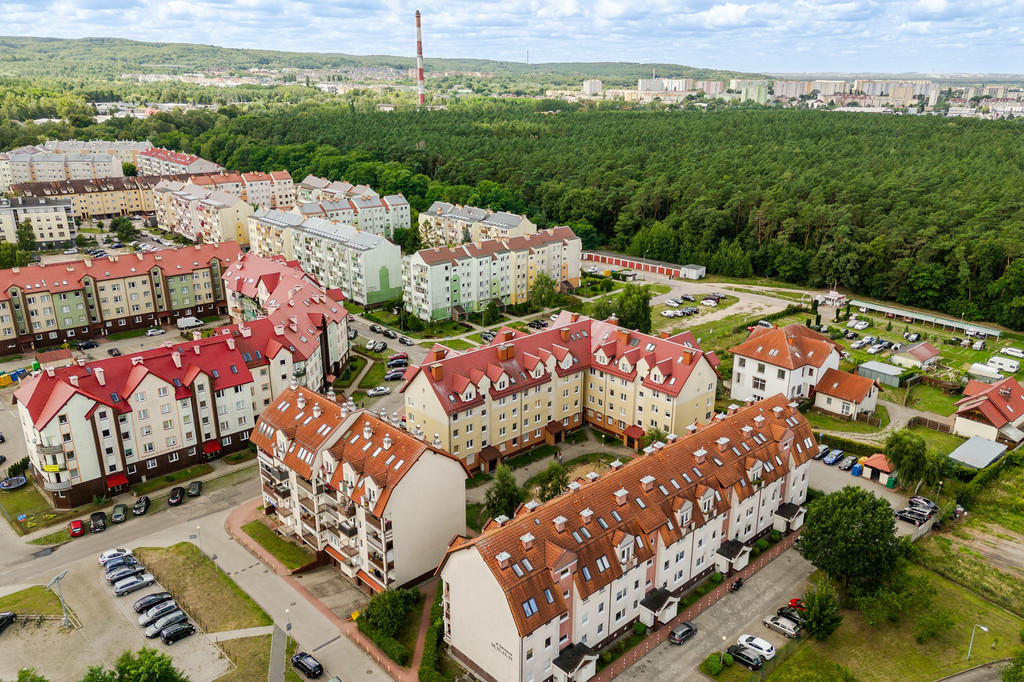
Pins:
x: 109, y: 626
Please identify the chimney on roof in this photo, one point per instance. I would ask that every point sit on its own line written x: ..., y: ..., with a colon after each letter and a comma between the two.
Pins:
x: 793, y: 407
x: 437, y: 441
x: 436, y: 371
x: 559, y: 522
x: 300, y: 402
x: 746, y: 431
x: 501, y: 519
x: 196, y: 348
x: 748, y: 402
x: 620, y: 496
x: 506, y: 351
x: 100, y: 378
x: 758, y: 422
x: 245, y: 331
x: 613, y: 319
x: 648, y: 483
x: 316, y: 410
x: 671, y: 438
x: 777, y: 411
x: 692, y: 428
x: 136, y: 360
x: 622, y: 336
x: 74, y: 380
x: 503, y: 557
x: 616, y: 465
x: 687, y: 357
x: 574, y: 486
x: 196, y: 335
x: 81, y: 362
x: 176, y: 357
x: 231, y: 343
x: 593, y: 476
x: 331, y: 395
x: 527, y: 541
x: 279, y: 329
x: 586, y: 515
x: 564, y: 333
x: 574, y: 317
x: 723, y: 444
x: 367, y: 430
x: 387, y: 442
x: 663, y: 335
x: 700, y: 456
x: 732, y: 409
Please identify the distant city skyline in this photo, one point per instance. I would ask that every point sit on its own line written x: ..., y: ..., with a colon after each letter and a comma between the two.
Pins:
x: 801, y: 36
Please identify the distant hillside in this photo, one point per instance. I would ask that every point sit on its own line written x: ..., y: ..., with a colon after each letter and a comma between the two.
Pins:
x: 111, y: 57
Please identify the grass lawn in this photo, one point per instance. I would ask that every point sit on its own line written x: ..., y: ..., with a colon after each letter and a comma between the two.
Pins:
x: 172, y: 479
x: 939, y: 442
x: 410, y: 630
x: 38, y: 513
x: 204, y: 591
x: 374, y: 377
x: 479, y: 478
x: 658, y: 289
x: 889, y: 652
x: 531, y: 456
x: 288, y: 553
x: 62, y: 535
x: 290, y: 673
x: 229, y: 479
x: 251, y: 655
x: 827, y: 423
x: 454, y: 344
x: 352, y: 369
x: 950, y: 557
x: 474, y: 516
x: 35, y: 600
x: 932, y: 399
x: 118, y: 336
x: 240, y: 456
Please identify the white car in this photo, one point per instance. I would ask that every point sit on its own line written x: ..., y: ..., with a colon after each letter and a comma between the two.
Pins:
x: 862, y: 325
x: 858, y: 344
x: 113, y: 554
x: 709, y: 302
x: 156, y: 331
x: 380, y: 390
x: 592, y: 269
x: 876, y: 349
x: 70, y: 252
x: 1013, y: 352
x: 554, y: 317
x: 668, y: 313
x: 757, y: 644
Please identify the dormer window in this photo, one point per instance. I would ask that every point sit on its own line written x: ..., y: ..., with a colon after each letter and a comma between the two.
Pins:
x: 625, y: 553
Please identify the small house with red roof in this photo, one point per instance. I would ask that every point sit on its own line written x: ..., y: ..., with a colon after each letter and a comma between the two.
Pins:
x: 992, y: 411
x: 921, y: 355
x: 789, y: 360
x: 845, y: 394
x: 376, y: 502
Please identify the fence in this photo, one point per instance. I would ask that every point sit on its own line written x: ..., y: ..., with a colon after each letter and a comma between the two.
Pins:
x: 941, y: 427
x: 618, y: 666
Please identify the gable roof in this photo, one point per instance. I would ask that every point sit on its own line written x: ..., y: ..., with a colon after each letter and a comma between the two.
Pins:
x: 845, y: 386
x: 922, y: 351
x: 1001, y: 403
x: 790, y: 347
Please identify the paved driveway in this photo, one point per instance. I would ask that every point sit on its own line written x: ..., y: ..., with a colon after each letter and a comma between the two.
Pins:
x: 734, y: 615
x: 830, y: 479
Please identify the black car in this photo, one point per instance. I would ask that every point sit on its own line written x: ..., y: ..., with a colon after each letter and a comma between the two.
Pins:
x: 398, y: 362
x: 7, y: 619
x: 151, y: 600
x: 308, y: 665
x: 352, y: 333
x: 848, y: 463
x: 792, y: 613
x: 113, y: 352
x: 172, y: 634
x: 748, y: 658
x: 394, y: 375
x: 822, y: 451
x: 376, y: 328
x: 687, y: 297
x: 98, y: 522
x: 852, y: 335
x: 912, y: 515
x: 389, y: 334
x: 923, y: 503
x: 141, y: 506
x: 405, y: 341
x: 195, y: 488
x: 86, y: 345
x: 682, y: 632
x: 176, y: 496
x: 885, y: 344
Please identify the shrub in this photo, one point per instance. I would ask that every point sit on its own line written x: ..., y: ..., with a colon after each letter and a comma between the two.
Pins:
x: 755, y: 552
x: 714, y: 664
x: 99, y: 500
x: 639, y: 628
x: 606, y: 657
x: 704, y: 588
x: 389, y: 646
x: 717, y: 578
x: 727, y: 660
x: 761, y: 544
x: 775, y: 535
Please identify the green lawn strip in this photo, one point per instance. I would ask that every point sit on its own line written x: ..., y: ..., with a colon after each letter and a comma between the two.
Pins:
x: 479, y: 478
x: 171, y: 479
x: 35, y: 600
x: 205, y: 592
x: 290, y: 673
x: 889, y: 652
x: 118, y: 336
x: 1002, y: 502
x: 577, y: 436
x: 939, y: 442
x: 410, y: 630
x: 613, y: 652
x: 288, y: 553
x: 352, y: 369
x: 732, y: 673
x: 932, y: 399
x: 949, y: 557
x: 240, y: 474
x: 239, y: 457
x: 30, y: 503
x: 531, y: 456
x: 827, y: 423
x: 659, y: 289
x: 474, y: 516
x: 374, y: 377
x: 62, y: 535
x: 251, y: 655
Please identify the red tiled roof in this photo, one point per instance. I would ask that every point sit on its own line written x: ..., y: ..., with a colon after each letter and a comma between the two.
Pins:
x: 922, y: 352
x: 245, y: 275
x: 675, y: 462
x: 878, y: 461
x: 1001, y: 403
x: 790, y: 347
x: 845, y: 386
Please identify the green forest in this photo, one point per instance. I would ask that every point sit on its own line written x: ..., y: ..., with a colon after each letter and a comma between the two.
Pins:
x: 921, y: 210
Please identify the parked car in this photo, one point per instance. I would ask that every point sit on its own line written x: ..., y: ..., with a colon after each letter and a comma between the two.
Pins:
x: 155, y: 613
x: 352, y: 333
x: 759, y: 645
x: 308, y: 665
x: 97, y: 522
x: 896, y: 347
x: 195, y: 488
x: 151, y: 600
x: 592, y: 269
x: 876, y: 349
x: 380, y: 390
x: 913, y: 336
x: 7, y: 618
x: 709, y: 302
x: 671, y: 303
x: 113, y: 352
x: 405, y: 341
x: 833, y: 457
x: 156, y: 331
x: 177, y: 631
x: 671, y: 313
x: 68, y: 252
x: 857, y: 345
x: 123, y: 572
x: 113, y: 554
x: 376, y: 328
x: 176, y: 496
x: 76, y: 528
x: 797, y: 603
x: 783, y: 626
x: 371, y: 345
x: 119, y: 563
x: 394, y: 375
x: 389, y: 334
x: 862, y: 325
x: 170, y: 619
x: 851, y: 335
x: 912, y: 515
x: 141, y: 506
x: 822, y: 451
x: 1013, y: 352
x: 486, y: 336
x: 120, y: 513
x: 792, y: 613
x: 399, y: 356
x: 86, y: 345
x: 135, y: 582
x: 380, y: 346
x: 748, y: 658
x: 682, y: 632
x: 923, y: 502
x: 978, y: 345
x: 400, y: 362
x: 848, y: 463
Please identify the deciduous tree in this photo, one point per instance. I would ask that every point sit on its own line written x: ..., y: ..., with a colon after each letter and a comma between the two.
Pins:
x: 544, y: 291
x: 907, y: 452
x: 822, y: 614
x: 504, y: 495
x: 553, y: 481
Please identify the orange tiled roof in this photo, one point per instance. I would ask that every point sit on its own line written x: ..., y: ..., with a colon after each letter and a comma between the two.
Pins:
x: 1002, y: 402
x: 790, y: 347
x: 845, y: 386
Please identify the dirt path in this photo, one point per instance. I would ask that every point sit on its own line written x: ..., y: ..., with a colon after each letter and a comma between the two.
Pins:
x: 1004, y: 551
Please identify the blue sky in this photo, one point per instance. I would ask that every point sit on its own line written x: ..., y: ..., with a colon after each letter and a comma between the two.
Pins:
x: 944, y: 36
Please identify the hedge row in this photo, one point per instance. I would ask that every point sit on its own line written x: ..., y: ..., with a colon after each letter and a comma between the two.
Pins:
x: 790, y: 310
x: 850, y: 447
x: 389, y: 646
x: 428, y: 671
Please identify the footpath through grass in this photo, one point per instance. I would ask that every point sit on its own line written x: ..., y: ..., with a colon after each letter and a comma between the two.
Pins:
x: 35, y: 600
x: 288, y: 553
x: 205, y: 592
x: 826, y: 423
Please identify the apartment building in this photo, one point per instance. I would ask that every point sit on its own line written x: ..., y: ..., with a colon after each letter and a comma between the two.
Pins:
x: 30, y: 164
x: 126, y: 151
x: 356, y: 205
x: 94, y: 429
x: 269, y: 190
x: 443, y: 283
x: 313, y: 189
x: 53, y: 221
x: 158, y: 161
x: 252, y: 281
x: 379, y: 503
x: 445, y: 224
x: 537, y: 596
x: 789, y: 360
x: 101, y: 198
x: 365, y: 266
x: 46, y: 305
x: 488, y: 403
x: 202, y: 215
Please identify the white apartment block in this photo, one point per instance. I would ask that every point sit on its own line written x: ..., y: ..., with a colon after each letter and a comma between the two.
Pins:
x: 789, y: 360
x: 201, y: 215
x: 379, y: 503
x: 356, y: 205
x: 157, y: 161
x: 365, y: 266
x: 53, y: 220
x: 488, y: 403
x: 445, y: 224
x: 29, y: 164
x: 126, y: 151
x: 443, y: 283
x: 537, y: 596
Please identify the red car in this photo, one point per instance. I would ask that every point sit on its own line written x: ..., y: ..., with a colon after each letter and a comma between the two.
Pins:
x: 76, y: 528
x: 797, y: 604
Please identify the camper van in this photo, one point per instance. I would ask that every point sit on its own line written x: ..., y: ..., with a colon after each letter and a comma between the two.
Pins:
x: 1004, y: 364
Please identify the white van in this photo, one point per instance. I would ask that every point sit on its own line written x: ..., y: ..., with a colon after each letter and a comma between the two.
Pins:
x: 1004, y: 364
x: 189, y: 323
x: 1013, y: 352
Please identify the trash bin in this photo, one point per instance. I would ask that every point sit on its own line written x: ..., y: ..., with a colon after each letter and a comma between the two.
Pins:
x: 857, y: 470
x: 891, y: 483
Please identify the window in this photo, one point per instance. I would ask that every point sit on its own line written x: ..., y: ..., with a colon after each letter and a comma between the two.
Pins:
x: 782, y: 374
x: 759, y: 384
x: 162, y: 392
x: 168, y: 424
x: 530, y: 607
x: 151, y: 464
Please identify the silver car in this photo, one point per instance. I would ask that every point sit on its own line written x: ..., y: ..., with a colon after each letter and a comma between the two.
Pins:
x: 136, y: 582
x: 782, y: 625
x: 168, y: 620
x: 157, y: 612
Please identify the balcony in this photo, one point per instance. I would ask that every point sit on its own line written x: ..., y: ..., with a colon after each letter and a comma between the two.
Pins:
x: 50, y: 449
x: 56, y: 486
x: 279, y: 475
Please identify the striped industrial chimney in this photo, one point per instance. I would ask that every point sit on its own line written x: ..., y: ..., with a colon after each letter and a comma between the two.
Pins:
x: 421, y: 92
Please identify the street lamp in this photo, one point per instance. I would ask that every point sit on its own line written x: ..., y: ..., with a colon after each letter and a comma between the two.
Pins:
x: 60, y: 593
x: 288, y: 619
x: 724, y: 640
x: 938, y: 493
x: 973, y: 630
x: 200, y: 539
